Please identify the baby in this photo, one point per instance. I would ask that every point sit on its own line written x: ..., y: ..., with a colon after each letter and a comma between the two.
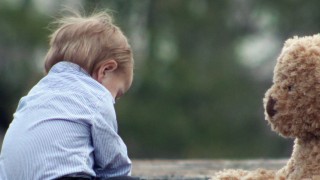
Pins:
x: 66, y: 126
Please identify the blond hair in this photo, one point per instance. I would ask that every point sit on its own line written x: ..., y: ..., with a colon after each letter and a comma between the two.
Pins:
x: 87, y: 41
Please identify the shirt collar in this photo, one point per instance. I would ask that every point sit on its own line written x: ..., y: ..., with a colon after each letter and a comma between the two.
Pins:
x: 64, y: 66
x: 69, y: 66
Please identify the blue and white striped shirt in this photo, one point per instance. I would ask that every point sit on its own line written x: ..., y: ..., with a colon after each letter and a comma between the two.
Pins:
x: 65, y: 125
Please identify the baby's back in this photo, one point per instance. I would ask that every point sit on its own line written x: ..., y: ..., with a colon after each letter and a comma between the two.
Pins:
x: 51, y: 132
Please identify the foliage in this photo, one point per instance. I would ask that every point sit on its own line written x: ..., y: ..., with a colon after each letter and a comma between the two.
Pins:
x: 22, y: 31
x: 192, y: 97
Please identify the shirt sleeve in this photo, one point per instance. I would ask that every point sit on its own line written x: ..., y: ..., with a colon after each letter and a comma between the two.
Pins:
x: 110, y: 152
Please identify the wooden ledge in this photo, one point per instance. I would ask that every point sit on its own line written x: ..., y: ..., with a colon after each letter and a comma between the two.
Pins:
x: 197, y: 169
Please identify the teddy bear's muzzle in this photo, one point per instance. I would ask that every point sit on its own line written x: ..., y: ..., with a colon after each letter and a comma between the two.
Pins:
x: 270, y: 107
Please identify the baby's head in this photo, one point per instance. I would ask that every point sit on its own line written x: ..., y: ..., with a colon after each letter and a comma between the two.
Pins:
x: 95, y: 44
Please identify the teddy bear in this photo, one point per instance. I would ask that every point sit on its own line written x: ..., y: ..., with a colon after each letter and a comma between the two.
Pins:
x: 292, y: 109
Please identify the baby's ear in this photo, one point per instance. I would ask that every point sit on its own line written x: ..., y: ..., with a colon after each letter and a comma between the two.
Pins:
x: 104, y: 68
x: 109, y: 66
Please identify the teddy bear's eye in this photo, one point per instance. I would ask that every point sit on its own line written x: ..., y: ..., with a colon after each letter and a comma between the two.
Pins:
x: 289, y: 88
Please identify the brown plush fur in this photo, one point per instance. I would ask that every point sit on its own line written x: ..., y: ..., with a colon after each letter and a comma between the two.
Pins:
x: 292, y: 108
x: 259, y: 174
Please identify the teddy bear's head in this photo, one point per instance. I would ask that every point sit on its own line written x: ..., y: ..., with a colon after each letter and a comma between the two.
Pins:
x: 292, y: 104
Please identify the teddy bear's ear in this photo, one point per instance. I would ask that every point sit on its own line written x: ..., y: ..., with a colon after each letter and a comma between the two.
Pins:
x: 292, y: 104
x: 290, y: 41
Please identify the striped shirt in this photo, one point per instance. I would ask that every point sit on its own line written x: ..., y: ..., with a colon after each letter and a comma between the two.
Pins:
x: 65, y: 125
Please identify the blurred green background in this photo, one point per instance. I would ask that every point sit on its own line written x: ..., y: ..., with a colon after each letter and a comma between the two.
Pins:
x: 202, y: 67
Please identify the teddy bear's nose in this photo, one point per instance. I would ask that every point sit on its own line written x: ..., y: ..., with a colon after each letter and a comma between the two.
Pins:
x: 270, y: 107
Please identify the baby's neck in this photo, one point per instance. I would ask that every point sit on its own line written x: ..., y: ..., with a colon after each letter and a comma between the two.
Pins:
x: 305, y: 160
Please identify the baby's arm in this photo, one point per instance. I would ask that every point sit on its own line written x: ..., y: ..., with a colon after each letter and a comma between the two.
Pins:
x: 110, y: 152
